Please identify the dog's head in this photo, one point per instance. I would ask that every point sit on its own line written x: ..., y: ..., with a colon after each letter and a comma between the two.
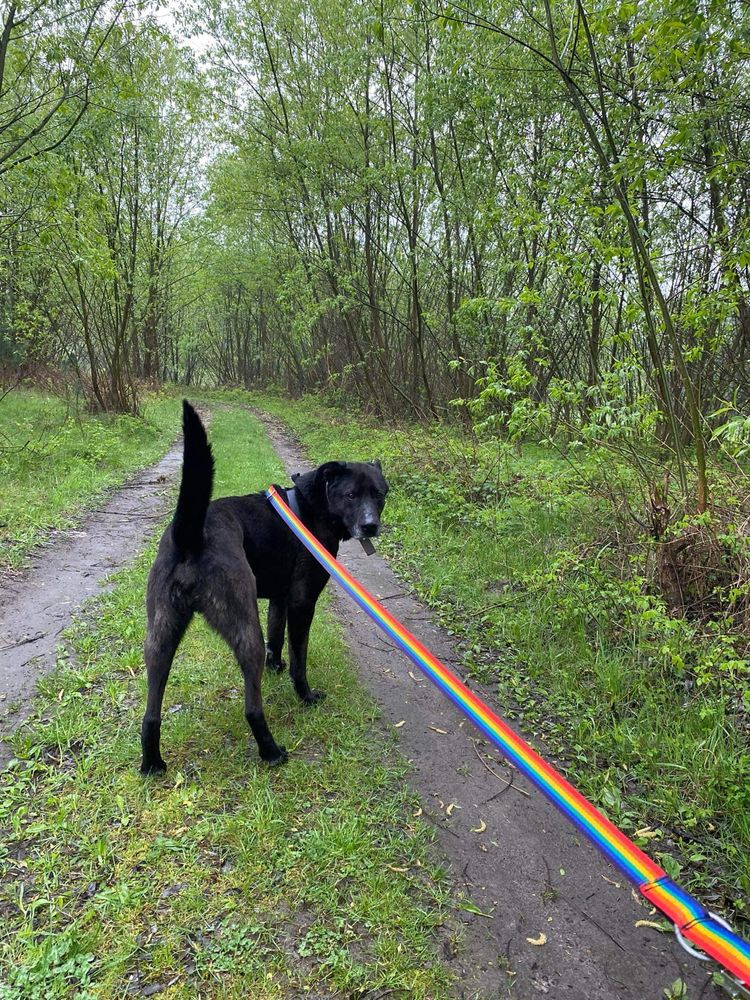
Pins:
x: 351, y: 494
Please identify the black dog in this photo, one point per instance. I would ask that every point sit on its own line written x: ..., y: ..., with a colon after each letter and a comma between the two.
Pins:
x: 218, y: 558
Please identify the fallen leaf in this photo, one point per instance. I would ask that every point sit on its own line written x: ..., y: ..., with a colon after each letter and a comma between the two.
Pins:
x: 649, y: 923
x: 451, y: 807
x: 443, y: 732
x: 542, y: 939
x: 413, y: 676
x: 152, y: 989
x: 395, y: 869
x: 646, y: 833
x: 418, y: 812
x: 481, y: 828
x: 472, y: 908
x: 398, y: 725
x: 172, y: 890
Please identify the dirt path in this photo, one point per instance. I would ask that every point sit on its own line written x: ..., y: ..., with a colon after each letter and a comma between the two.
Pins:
x: 37, y: 605
x: 529, y: 871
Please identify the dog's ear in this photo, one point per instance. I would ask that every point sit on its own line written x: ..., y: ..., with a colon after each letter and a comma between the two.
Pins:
x: 324, y: 474
x: 312, y: 485
x: 376, y: 463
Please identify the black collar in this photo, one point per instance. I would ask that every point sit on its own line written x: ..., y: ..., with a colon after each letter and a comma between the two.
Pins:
x: 293, y: 502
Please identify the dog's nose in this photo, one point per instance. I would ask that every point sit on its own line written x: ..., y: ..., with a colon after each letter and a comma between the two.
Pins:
x: 369, y: 528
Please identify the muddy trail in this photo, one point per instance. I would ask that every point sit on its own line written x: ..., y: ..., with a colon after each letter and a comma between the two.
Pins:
x: 37, y: 605
x: 552, y: 917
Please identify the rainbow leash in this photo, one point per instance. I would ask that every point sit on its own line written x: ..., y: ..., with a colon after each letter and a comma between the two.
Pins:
x: 692, y: 922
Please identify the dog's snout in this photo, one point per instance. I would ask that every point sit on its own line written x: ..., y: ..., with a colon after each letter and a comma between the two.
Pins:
x: 369, y: 528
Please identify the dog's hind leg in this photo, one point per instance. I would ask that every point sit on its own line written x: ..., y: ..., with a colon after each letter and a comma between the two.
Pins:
x: 165, y: 630
x: 300, y: 620
x: 275, y: 638
x: 235, y: 618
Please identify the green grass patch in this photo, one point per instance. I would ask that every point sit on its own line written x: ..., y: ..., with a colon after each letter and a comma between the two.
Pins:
x: 226, y: 878
x: 54, y: 462
x: 520, y: 557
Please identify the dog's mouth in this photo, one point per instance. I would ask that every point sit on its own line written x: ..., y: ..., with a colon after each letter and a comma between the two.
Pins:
x: 368, y: 530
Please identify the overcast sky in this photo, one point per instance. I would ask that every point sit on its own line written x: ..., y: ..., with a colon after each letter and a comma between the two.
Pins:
x: 166, y: 15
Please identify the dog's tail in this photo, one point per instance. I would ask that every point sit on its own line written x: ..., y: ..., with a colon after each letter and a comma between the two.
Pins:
x: 197, y: 482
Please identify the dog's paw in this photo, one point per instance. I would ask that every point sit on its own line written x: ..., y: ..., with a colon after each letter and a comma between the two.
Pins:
x: 151, y: 767
x: 314, y: 697
x: 279, y: 758
x: 275, y: 664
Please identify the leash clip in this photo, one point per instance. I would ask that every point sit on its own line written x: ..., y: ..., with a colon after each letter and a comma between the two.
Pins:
x: 735, y: 989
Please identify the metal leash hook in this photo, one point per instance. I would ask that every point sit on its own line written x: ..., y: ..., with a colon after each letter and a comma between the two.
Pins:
x: 735, y: 989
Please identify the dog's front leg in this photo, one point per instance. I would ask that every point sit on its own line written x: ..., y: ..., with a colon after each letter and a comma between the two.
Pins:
x: 248, y: 648
x: 300, y: 619
x: 267, y: 746
x: 275, y: 641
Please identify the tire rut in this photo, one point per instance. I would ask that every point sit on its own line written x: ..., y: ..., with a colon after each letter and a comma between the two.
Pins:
x: 70, y: 566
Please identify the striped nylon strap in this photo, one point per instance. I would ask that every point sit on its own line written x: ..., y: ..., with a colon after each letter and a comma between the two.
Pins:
x: 694, y: 922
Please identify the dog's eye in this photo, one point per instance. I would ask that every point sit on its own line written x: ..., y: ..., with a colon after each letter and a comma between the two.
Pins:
x: 351, y: 495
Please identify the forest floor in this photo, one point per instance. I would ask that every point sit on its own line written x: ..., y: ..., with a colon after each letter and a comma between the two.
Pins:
x: 321, y: 879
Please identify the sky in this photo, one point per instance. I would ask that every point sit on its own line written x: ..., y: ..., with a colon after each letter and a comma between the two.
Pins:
x: 167, y: 15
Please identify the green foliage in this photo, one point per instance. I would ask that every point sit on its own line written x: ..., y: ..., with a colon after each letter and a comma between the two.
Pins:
x: 54, y: 462
x: 59, y: 965
x: 734, y: 433
x: 94, y: 269
x: 410, y: 208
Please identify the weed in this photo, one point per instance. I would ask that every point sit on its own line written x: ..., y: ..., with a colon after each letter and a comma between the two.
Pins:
x: 677, y: 991
x: 56, y: 965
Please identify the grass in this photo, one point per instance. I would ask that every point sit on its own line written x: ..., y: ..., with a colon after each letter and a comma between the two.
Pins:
x: 225, y: 879
x: 53, y: 462
x: 519, y: 557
